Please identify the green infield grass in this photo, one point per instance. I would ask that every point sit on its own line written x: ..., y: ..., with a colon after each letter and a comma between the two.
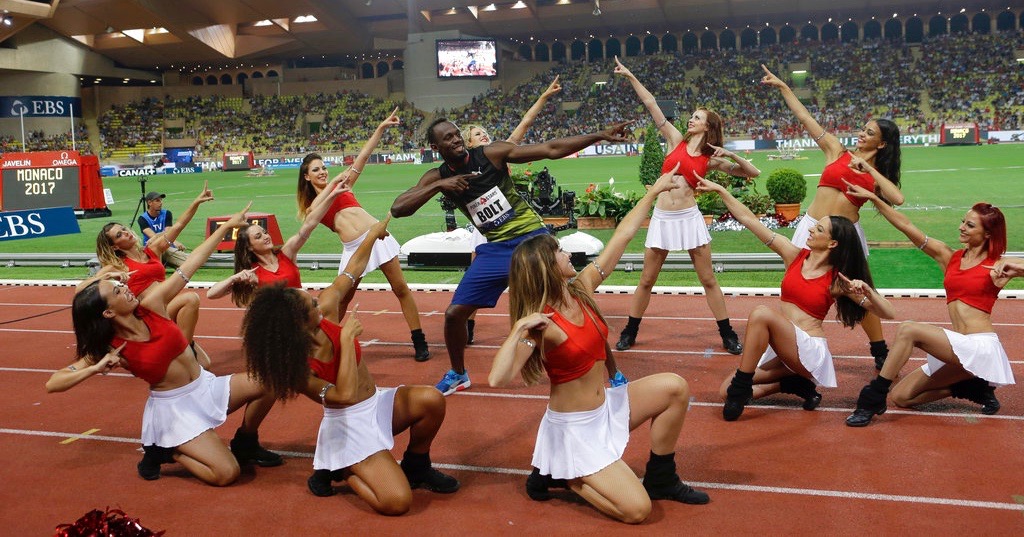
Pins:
x: 940, y: 184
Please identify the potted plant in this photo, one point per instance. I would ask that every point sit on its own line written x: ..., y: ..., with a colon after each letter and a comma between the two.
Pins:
x: 710, y: 205
x: 653, y: 156
x: 597, y: 207
x: 758, y: 203
x: 788, y: 188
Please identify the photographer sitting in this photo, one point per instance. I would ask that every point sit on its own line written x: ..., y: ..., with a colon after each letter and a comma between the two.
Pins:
x: 155, y: 219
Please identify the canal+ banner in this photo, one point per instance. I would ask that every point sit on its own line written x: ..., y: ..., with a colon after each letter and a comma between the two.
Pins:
x: 39, y: 106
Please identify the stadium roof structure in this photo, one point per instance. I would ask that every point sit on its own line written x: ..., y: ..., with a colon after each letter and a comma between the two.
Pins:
x: 156, y: 34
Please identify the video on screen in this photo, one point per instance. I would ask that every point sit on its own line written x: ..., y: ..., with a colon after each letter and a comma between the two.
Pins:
x: 467, y: 58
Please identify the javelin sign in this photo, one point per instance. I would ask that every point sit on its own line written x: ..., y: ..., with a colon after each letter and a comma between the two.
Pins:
x: 41, y: 179
x: 37, y: 223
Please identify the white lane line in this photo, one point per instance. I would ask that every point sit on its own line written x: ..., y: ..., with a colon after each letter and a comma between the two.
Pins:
x: 941, y: 322
x: 840, y: 494
x: 693, y: 402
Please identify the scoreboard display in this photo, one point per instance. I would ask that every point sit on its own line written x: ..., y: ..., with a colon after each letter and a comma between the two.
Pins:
x: 959, y: 134
x: 265, y: 220
x: 241, y: 160
x: 40, y: 179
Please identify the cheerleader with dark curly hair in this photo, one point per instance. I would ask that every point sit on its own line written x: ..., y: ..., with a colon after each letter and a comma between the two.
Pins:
x: 294, y: 345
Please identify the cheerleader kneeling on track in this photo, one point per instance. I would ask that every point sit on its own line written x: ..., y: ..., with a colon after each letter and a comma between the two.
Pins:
x: 294, y: 344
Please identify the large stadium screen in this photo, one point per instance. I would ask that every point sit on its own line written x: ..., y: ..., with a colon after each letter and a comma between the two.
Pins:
x: 467, y: 58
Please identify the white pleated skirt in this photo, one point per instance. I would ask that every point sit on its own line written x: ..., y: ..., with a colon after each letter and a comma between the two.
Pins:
x: 383, y: 251
x: 980, y: 354
x: 677, y: 230
x: 814, y: 356
x: 349, y: 435
x: 577, y: 444
x: 173, y: 417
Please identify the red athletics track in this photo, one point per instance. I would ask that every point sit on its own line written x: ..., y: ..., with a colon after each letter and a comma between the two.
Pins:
x: 947, y: 470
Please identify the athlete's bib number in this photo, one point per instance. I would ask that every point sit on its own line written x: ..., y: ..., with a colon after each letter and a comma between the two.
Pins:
x: 490, y: 210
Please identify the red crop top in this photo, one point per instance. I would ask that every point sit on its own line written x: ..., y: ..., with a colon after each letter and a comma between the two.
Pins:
x: 971, y: 286
x: 329, y: 370
x: 812, y: 296
x: 287, y: 272
x: 585, y: 345
x: 150, y: 359
x: 344, y: 201
x: 145, y: 274
x: 834, y: 174
x: 688, y: 164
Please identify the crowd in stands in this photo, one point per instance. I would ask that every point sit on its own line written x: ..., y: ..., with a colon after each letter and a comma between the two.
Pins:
x: 847, y: 82
x: 37, y: 140
x: 129, y: 125
x: 976, y: 78
x: 286, y: 124
x: 945, y: 79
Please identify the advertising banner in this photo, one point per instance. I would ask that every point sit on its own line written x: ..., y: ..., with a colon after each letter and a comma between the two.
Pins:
x: 39, y: 106
x: 37, y: 223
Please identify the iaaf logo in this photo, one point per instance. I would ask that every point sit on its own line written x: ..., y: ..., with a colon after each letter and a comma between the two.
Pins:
x: 64, y: 160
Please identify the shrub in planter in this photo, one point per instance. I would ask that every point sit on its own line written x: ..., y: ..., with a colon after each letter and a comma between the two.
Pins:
x: 653, y: 156
x: 786, y: 185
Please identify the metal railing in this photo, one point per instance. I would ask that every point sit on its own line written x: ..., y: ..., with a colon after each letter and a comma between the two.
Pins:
x: 628, y: 263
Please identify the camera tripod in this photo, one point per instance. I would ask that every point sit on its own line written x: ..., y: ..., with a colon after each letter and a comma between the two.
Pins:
x: 140, y: 206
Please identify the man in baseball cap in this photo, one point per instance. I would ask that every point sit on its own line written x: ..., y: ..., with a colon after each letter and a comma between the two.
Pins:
x: 155, y: 219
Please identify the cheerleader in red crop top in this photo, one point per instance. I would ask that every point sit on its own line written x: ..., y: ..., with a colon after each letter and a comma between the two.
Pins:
x: 259, y: 262
x: 874, y: 164
x: 785, y: 348
x: 966, y: 361
x: 350, y: 222
x: 296, y: 346
x: 558, y: 329
x: 114, y: 327
x: 145, y: 273
x: 676, y: 223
